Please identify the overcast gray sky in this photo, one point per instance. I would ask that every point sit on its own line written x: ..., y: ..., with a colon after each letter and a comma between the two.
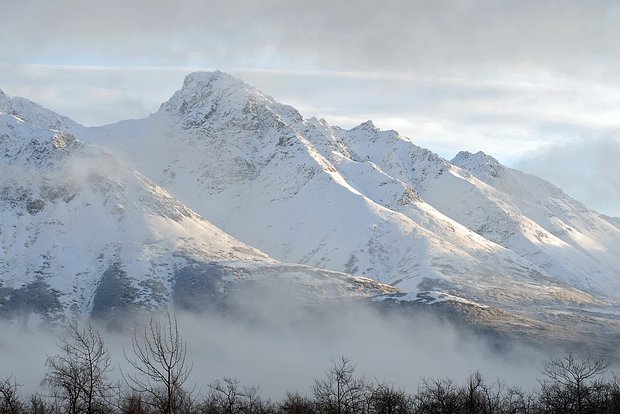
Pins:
x: 533, y: 83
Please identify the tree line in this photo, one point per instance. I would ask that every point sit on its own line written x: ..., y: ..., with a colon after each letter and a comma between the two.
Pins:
x: 77, y: 382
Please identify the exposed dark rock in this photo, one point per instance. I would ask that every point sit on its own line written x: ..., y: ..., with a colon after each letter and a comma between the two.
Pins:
x: 115, y: 294
x: 199, y: 287
x: 35, y: 297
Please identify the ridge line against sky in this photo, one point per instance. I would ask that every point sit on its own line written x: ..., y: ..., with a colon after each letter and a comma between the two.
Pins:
x: 533, y: 83
x: 444, y: 114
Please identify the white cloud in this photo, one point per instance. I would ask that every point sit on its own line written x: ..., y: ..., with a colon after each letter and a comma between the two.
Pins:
x: 442, y: 36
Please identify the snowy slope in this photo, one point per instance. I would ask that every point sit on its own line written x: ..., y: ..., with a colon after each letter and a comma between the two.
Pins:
x: 519, y: 212
x: 305, y: 192
x: 81, y: 233
x: 359, y: 201
x: 35, y: 114
x: 588, y: 244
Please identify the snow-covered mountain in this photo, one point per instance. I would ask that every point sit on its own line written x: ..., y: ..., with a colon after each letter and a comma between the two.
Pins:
x: 82, y: 233
x: 361, y: 201
x: 35, y: 114
x: 357, y: 201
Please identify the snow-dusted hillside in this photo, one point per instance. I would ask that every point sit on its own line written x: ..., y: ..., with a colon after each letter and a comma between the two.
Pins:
x: 361, y: 201
x: 570, y: 240
x: 81, y: 232
x: 118, y: 221
x: 522, y: 213
x: 35, y: 114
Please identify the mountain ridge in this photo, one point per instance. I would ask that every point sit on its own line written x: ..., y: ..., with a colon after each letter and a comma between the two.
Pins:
x: 362, y: 201
x: 89, y: 235
x: 265, y: 145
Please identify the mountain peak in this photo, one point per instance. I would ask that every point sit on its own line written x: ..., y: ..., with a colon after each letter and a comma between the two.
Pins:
x: 4, y: 101
x: 478, y: 163
x: 217, y: 77
x: 368, y: 130
x: 204, y: 91
x: 33, y: 113
x: 26, y: 143
x: 208, y: 97
x: 367, y: 126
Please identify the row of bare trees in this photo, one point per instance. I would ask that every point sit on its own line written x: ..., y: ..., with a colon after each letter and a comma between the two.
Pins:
x: 78, y: 381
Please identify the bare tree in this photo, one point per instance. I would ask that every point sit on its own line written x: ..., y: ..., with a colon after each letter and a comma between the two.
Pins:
x: 571, y: 378
x: 473, y: 394
x: 161, y: 368
x: 388, y: 400
x: 494, y: 397
x: 79, y: 374
x: 38, y: 405
x: 225, y: 396
x: 9, y: 391
x: 294, y: 403
x: 133, y: 404
x: 437, y: 396
x: 253, y: 402
x: 517, y: 401
x: 340, y: 392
